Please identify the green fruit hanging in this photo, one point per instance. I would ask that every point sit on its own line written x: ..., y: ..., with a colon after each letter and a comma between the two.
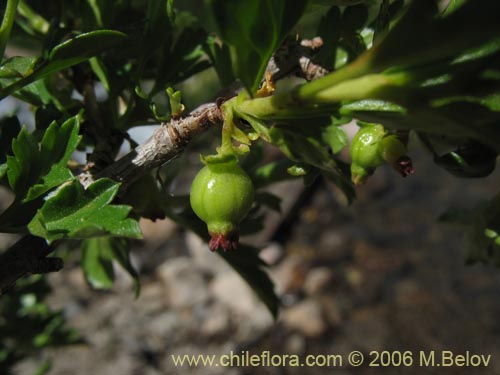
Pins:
x: 371, y: 147
x: 221, y: 195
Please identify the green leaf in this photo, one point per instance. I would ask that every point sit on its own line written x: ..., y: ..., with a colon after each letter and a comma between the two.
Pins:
x: 71, y: 52
x: 269, y: 200
x: 99, y: 70
x: 421, y: 36
x: 220, y: 57
x: 481, y: 227
x: 3, y: 170
x: 272, y: 172
x: 36, y: 168
x: 453, y: 5
x: 253, y: 29
x: 56, y: 148
x: 7, y: 22
x: 97, y: 263
x: 73, y: 212
x: 97, y: 259
x: 83, y: 47
x: 302, y: 146
x: 469, y: 160
x: 335, y: 137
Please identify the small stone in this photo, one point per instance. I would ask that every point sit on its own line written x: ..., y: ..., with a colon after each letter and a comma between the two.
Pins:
x: 250, y: 314
x: 353, y: 276
x: 289, y: 275
x: 217, y: 321
x: 368, y: 328
x: 186, y: 286
x: 334, y: 246
x: 306, y: 317
x: 317, y: 280
x: 153, y: 297
x: 295, y: 344
x: 232, y: 290
x: 331, y: 310
x: 156, y: 232
x: 272, y: 253
x: 205, y: 259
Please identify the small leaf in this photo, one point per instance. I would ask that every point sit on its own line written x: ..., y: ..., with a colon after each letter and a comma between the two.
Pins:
x: 77, y: 213
x: 69, y: 53
x: 272, y: 173
x: 269, y: 200
x: 221, y: 60
x: 97, y: 259
x: 86, y: 45
x: 253, y: 29
x: 99, y: 70
x: 335, y: 137
x: 56, y: 148
x: 470, y: 160
x: 34, y: 169
x: 3, y: 170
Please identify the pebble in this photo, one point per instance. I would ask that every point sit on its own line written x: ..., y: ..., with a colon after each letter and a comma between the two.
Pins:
x: 272, y: 253
x: 305, y: 317
x: 317, y: 280
x: 289, y: 274
x: 185, y: 283
x: 217, y: 321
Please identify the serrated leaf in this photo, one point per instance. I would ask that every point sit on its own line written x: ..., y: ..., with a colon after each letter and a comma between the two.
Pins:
x: 97, y: 259
x: 73, y: 212
x: 57, y: 146
x: 254, y: 29
x: 34, y: 168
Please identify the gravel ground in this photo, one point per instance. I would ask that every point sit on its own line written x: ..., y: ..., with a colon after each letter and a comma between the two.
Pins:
x: 381, y: 274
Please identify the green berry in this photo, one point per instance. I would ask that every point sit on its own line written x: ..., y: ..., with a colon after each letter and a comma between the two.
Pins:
x: 221, y: 196
x: 365, y: 152
x: 372, y: 147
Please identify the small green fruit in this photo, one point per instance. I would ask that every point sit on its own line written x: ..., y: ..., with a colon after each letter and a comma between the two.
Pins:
x: 372, y: 147
x: 364, y: 152
x: 221, y: 196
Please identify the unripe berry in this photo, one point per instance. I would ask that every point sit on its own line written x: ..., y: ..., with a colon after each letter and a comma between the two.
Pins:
x: 372, y: 147
x: 364, y: 152
x: 221, y: 196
